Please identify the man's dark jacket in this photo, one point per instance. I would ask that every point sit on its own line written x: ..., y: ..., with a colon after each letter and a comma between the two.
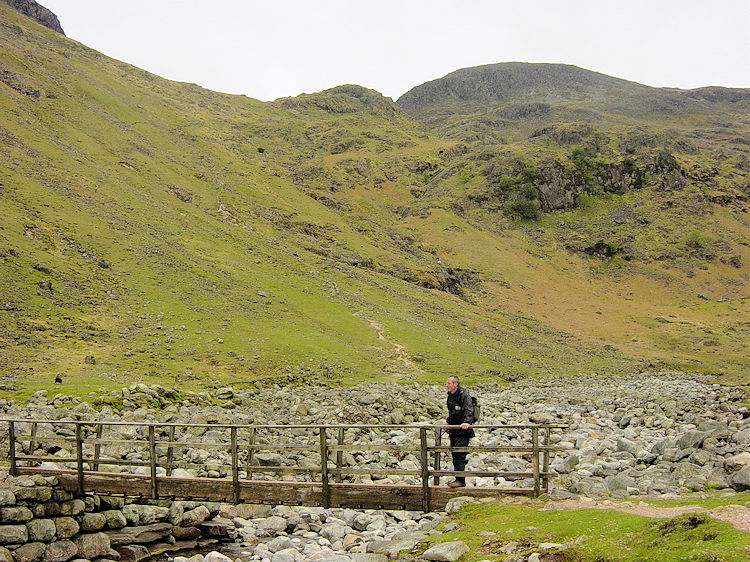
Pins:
x: 460, y: 410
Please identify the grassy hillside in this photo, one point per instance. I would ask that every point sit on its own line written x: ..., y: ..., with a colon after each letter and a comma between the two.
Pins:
x: 157, y: 231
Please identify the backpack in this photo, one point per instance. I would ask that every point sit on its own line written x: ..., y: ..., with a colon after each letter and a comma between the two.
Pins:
x: 477, y: 411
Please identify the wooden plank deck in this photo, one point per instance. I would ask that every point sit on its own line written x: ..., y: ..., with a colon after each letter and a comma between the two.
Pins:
x: 357, y: 496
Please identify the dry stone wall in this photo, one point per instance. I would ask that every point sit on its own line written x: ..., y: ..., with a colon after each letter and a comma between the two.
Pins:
x: 40, y: 521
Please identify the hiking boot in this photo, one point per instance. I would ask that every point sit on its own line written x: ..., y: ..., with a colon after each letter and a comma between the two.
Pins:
x: 456, y: 484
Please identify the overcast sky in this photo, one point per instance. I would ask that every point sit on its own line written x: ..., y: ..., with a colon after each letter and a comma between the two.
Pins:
x: 273, y: 48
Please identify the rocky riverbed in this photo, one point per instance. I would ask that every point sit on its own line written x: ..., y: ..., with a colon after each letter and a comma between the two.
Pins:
x: 645, y: 435
x: 626, y: 436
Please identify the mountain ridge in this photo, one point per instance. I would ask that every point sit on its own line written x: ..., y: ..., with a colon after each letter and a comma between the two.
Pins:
x: 158, y: 231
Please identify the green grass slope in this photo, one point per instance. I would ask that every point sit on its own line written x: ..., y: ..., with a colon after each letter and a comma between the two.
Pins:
x: 157, y: 231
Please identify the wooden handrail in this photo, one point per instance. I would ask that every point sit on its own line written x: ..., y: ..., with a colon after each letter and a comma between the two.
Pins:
x: 244, y: 442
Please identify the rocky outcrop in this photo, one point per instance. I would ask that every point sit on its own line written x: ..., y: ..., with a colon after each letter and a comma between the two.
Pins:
x: 37, y: 12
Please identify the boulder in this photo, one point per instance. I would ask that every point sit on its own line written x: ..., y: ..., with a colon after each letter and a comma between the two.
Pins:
x: 32, y: 493
x: 692, y: 439
x: 334, y: 531
x: 280, y: 543
x: 250, y: 510
x: 269, y: 459
x: 42, y: 530
x: 60, y: 551
x: 7, y: 497
x: 91, y: 522
x: 92, y: 545
x: 133, y: 553
x: 273, y: 524
x: 737, y: 462
x: 30, y: 552
x: 367, y: 557
x: 740, y: 480
x: 457, y: 504
x: 217, y: 557
x: 66, y: 527
x: 72, y: 507
x: 5, y: 555
x: 114, y: 519
x: 15, y: 514
x: 13, y: 534
x: 142, y: 534
x: 186, y: 533
x: 195, y: 517
x: 448, y: 551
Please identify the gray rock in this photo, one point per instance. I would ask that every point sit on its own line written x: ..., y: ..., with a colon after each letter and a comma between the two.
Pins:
x: 15, y: 514
x: 186, y: 533
x: 334, y: 531
x: 142, y: 534
x: 740, y: 480
x: 195, y: 517
x: 392, y: 547
x: 619, y: 482
x: 60, y: 551
x: 568, y: 464
x: 269, y: 459
x: 30, y: 552
x: 7, y: 497
x: 280, y: 543
x: 92, y: 545
x: 5, y: 555
x: 457, y: 504
x: 144, y: 514
x: 273, y: 524
x: 737, y: 462
x: 250, y: 510
x: 448, y: 551
x: 42, y: 530
x: 114, y: 519
x: 111, y: 502
x: 217, y: 557
x: 367, y: 557
x: 66, y: 527
x: 91, y: 522
x: 692, y: 439
x: 288, y: 555
x: 72, y: 507
x: 32, y: 493
x: 134, y: 553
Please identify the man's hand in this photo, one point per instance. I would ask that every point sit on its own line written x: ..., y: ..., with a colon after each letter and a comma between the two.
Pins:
x: 464, y: 426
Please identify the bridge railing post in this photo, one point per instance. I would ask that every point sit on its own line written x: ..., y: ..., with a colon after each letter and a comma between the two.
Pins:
x: 79, y: 458
x: 535, y: 458
x: 425, y: 465
x: 436, y: 456
x: 235, y: 468
x: 32, y: 441
x: 97, y: 448
x: 340, y: 455
x: 13, y: 470
x: 545, y: 465
x: 170, y: 449
x: 251, y: 454
x: 324, y: 468
x: 152, y: 460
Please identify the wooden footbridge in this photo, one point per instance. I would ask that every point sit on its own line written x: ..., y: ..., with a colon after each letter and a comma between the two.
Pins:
x: 329, y: 466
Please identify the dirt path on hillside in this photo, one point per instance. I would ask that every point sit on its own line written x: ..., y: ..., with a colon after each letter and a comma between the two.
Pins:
x: 737, y: 515
x: 401, y: 357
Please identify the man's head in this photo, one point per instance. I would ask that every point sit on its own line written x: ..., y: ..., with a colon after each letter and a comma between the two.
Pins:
x: 451, y: 383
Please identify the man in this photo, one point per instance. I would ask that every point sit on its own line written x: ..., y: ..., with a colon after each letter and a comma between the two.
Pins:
x: 460, y: 412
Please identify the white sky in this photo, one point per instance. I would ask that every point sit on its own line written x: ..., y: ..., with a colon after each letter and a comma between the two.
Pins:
x: 273, y: 48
